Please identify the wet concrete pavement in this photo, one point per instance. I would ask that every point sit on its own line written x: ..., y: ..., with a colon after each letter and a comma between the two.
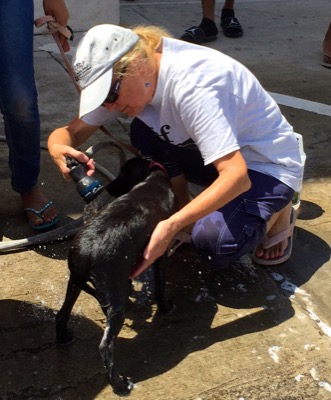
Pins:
x: 246, y: 334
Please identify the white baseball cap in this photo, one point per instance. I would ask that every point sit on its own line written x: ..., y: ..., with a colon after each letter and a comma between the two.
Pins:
x: 93, y: 62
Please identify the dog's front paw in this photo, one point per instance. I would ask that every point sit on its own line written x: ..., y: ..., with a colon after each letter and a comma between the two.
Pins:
x: 122, y: 386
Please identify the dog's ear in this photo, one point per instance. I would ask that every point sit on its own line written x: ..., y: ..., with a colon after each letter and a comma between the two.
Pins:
x: 134, y: 171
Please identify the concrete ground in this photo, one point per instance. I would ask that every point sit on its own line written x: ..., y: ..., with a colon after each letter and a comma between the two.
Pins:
x: 248, y: 333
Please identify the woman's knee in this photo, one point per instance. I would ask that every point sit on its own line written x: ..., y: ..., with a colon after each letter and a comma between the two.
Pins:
x: 221, y: 240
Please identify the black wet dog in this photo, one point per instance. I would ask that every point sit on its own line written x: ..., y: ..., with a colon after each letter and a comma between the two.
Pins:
x: 106, y: 248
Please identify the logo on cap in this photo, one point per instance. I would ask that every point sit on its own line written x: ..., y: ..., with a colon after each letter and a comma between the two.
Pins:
x: 81, y: 70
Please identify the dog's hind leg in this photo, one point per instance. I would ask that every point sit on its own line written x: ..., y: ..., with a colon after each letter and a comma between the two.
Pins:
x: 164, y: 304
x: 63, y: 334
x: 122, y: 386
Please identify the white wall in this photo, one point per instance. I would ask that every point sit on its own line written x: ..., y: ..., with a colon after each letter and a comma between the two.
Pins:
x: 86, y: 13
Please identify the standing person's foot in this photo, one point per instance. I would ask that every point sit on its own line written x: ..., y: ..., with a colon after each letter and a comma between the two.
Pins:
x: 230, y: 24
x: 41, y: 212
x: 204, y: 33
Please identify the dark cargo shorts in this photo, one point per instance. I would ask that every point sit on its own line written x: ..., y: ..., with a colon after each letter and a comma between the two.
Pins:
x: 235, y: 229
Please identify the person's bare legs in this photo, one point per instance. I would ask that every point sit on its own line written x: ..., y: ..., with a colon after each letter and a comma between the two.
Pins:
x: 327, y: 46
x: 208, y: 15
x: 228, y: 4
x: 36, y: 199
x: 208, y: 9
x: 278, y: 222
x: 207, y: 30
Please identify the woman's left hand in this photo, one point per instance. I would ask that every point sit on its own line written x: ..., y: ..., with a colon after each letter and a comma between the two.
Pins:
x: 58, y: 10
x: 158, y: 244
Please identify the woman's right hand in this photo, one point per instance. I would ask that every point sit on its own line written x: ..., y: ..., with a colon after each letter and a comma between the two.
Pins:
x: 59, y: 153
x: 64, y: 141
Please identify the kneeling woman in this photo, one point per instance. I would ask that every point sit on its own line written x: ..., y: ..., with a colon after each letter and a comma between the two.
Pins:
x: 208, y: 120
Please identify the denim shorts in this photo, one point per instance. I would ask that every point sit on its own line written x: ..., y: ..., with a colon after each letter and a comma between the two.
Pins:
x: 234, y: 230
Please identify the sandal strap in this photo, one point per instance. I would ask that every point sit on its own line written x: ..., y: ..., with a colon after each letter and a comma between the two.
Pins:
x: 282, y: 235
x: 231, y: 22
x: 269, y: 242
x: 39, y: 213
x: 231, y: 27
x: 196, y: 33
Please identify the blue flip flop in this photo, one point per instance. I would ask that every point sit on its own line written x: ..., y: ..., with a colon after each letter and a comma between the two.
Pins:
x: 46, y: 224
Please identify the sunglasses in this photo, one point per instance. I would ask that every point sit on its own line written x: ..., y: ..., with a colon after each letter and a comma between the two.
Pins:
x: 114, y: 90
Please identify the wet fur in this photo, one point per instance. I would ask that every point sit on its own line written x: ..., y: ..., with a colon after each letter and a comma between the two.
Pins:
x: 105, y: 249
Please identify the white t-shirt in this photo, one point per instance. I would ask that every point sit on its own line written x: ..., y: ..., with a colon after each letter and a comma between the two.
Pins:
x: 206, y: 97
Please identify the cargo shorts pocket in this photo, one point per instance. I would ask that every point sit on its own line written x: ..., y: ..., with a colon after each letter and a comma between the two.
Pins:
x: 244, y: 229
